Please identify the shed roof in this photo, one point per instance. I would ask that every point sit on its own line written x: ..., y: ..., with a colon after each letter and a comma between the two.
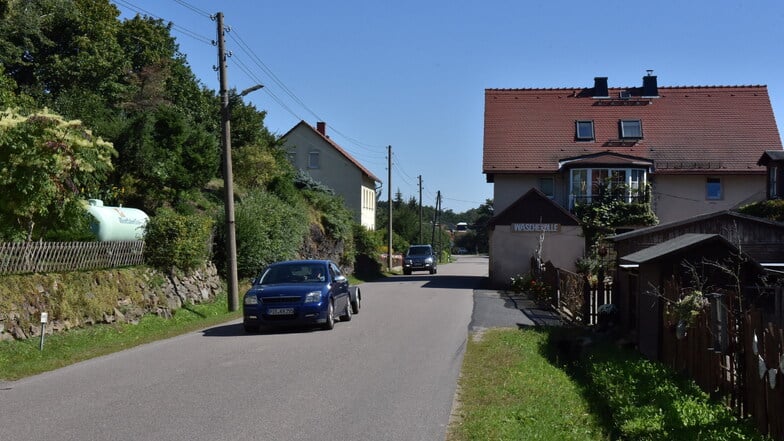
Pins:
x: 680, y: 243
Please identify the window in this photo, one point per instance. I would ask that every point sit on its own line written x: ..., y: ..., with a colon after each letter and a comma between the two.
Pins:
x: 586, y: 184
x: 584, y: 130
x: 713, y: 190
x: 313, y: 160
x: 773, y: 193
x: 631, y: 128
x: 547, y: 186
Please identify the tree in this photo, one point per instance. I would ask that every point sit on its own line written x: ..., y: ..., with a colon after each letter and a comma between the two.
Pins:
x: 163, y: 153
x: 48, y: 166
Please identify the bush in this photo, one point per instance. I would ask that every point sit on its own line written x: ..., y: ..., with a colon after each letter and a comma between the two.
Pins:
x: 771, y: 209
x: 538, y: 290
x: 267, y: 230
x: 173, y: 240
x: 647, y: 401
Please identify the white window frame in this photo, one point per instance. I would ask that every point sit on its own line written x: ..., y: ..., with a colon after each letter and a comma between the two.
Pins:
x: 635, y: 180
x: 314, y: 161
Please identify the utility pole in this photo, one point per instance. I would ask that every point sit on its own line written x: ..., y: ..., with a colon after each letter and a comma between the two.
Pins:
x: 389, y: 198
x: 228, y: 175
x: 420, y: 208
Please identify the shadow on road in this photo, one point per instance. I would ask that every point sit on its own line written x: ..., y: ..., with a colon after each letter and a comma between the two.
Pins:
x: 236, y: 330
x: 440, y: 281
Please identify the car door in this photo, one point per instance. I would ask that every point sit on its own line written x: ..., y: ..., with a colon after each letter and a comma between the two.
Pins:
x: 340, y: 288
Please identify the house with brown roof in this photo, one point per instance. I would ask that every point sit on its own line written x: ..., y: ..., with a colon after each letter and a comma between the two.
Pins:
x: 695, y: 148
x: 310, y: 149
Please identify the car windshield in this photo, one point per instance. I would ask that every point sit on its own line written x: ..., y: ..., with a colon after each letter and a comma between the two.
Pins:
x: 418, y: 251
x: 294, y: 273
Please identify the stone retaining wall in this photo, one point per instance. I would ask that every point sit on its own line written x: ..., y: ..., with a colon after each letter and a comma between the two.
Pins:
x: 155, y: 293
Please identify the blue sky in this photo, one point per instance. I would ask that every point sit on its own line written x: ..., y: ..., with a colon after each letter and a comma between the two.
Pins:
x: 412, y: 74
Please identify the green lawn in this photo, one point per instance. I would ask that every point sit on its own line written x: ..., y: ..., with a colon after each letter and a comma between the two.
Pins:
x: 508, y: 390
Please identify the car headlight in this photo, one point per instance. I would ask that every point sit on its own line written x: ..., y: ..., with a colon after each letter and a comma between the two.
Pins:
x: 251, y: 299
x: 408, y: 261
x: 313, y: 297
x: 429, y: 260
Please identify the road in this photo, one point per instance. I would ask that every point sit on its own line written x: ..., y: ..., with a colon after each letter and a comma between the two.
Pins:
x: 388, y: 374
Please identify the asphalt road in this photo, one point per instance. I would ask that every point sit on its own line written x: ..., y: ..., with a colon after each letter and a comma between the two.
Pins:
x: 389, y: 374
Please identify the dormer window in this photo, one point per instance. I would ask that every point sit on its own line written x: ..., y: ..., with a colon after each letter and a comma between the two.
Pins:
x: 584, y: 130
x: 631, y: 129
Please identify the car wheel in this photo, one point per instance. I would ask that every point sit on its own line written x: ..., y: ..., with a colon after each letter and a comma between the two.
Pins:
x: 432, y: 271
x: 346, y: 317
x: 407, y: 272
x: 330, y: 323
x: 249, y: 329
x: 356, y: 303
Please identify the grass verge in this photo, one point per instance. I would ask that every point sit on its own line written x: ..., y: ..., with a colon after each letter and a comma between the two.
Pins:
x: 510, y: 391
x: 549, y: 384
x: 19, y: 359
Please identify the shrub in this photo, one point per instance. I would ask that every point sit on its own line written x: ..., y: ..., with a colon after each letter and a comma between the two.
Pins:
x: 538, y: 290
x: 771, y: 209
x: 173, y: 240
x: 267, y: 230
x: 647, y: 401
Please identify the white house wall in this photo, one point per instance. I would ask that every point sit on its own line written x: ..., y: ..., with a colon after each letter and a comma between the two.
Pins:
x: 334, y: 171
x: 679, y: 197
x: 511, y: 252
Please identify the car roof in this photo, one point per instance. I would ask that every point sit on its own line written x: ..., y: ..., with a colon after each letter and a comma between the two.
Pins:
x: 301, y: 262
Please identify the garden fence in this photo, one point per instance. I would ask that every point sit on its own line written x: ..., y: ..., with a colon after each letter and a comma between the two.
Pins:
x: 735, y: 356
x: 36, y: 257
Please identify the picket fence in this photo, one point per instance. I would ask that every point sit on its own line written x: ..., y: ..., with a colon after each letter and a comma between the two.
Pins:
x: 41, y: 257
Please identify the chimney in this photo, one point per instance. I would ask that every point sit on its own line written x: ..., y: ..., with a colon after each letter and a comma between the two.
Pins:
x: 321, y: 126
x: 649, y: 86
x: 600, y: 87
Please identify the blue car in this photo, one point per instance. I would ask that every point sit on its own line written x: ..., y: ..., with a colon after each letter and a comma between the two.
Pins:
x: 300, y: 293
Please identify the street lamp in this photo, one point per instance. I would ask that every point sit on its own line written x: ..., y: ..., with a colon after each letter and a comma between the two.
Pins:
x: 228, y: 187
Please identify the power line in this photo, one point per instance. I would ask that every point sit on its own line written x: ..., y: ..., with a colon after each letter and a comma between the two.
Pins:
x: 201, y: 12
x: 183, y: 30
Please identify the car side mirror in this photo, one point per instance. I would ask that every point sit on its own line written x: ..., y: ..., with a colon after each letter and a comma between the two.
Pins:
x: 340, y: 278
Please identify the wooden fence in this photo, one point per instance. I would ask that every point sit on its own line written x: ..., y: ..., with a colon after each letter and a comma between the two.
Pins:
x: 34, y: 257
x: 733, y: 354
x: 575, y: 297
x: 737, y: 356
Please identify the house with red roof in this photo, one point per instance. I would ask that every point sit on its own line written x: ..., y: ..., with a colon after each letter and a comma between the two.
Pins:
x: 310, y: 149
x: 695, y: 148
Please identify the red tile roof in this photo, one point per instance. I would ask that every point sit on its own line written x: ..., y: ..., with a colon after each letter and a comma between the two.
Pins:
x: 685, y: 129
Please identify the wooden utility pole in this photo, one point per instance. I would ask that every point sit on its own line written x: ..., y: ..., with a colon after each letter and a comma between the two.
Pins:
x: 228, y: 175
x: 389, y: 198
x: 420, y: 208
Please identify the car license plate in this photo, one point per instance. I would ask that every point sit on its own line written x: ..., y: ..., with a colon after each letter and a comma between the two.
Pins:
x: 280, y: 311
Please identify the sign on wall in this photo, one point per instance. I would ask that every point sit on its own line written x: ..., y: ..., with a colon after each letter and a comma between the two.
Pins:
x: 535, y: 228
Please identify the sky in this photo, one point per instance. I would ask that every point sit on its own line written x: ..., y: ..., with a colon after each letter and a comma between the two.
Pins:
x: 411, y: 74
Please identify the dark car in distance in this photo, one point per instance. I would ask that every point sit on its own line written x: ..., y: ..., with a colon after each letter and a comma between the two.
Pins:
x: 299, y: 293
x: 420, y: 258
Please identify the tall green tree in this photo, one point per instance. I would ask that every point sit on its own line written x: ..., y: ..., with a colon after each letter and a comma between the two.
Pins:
x: 161, y: 154
x: 48, y: 166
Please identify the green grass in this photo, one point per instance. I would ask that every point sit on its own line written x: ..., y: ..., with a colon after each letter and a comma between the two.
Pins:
x: 536, y: 384
x: 23, y: 358
x: 510, y: 391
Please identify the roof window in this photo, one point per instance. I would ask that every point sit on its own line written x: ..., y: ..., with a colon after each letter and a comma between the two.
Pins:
x: 631, y: 129
x: 584, y: 130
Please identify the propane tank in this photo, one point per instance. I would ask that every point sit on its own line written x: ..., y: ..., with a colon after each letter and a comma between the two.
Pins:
x: 116, y: 223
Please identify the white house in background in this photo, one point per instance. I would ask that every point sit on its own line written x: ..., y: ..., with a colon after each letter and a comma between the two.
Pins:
x: 310, y: 149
